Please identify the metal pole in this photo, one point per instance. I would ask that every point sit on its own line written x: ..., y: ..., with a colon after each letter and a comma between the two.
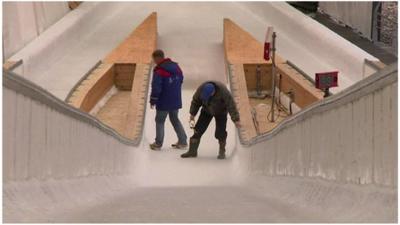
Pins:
x: 258, y: 76
x: 273, y: 77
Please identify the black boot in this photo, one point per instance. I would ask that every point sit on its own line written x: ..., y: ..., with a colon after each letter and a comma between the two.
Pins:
x: 221, y: 154
x: 194, y: 145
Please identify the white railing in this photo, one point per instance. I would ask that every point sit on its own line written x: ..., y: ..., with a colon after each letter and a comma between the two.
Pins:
x: 348, y: 137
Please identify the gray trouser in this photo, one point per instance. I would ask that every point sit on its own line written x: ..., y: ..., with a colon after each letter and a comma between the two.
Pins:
x: 176, y: 123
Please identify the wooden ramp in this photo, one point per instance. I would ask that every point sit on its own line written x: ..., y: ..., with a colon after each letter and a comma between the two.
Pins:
x: 244, y: 56
x: 127, y: 68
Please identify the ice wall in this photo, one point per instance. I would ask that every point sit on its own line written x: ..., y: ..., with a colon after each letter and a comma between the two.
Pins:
x: 45, y: 138
x: 350, y: 137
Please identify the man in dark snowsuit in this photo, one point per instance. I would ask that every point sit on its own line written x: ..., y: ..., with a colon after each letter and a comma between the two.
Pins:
x: 216, y: 102
x: 166, y: 95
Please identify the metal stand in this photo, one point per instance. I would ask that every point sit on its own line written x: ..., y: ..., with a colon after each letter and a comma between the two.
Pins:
x: 258, y: 93
x: 258, y: 76
x: 326, y: 91
x: 273, y: 78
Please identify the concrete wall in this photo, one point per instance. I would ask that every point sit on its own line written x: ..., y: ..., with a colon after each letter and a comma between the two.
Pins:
x: 357, y: 15
x: 350, y: 137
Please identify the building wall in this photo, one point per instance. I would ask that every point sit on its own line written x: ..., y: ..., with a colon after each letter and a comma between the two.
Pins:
x: 357, y: 15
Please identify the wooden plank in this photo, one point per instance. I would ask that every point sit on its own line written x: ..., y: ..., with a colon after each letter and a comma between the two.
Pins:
x: 246, y: 53
x: 98, y: 83
x: 126, y: 67
x: 136, y: 104
x: 242, y: 47
x: 73, y: 4
x: 9, y: 64
x: 239, y: 91
x: 265, y: 75
x: 124, y: 74
x: 139, y: 45
x: 114, y: 112
x: 304, y: 90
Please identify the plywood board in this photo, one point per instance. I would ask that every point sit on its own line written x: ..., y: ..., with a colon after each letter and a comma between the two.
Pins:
x: 304, y: 91
x: 239, y: 91
x: 9, y: 64
x: 123, y: 75
x: 139, y: 45
x: 242, y: 47
x: 91, y: 90
x: 126, y: 67
x: 114, y: 112
x: 136, y: 102
x: 250, y: 71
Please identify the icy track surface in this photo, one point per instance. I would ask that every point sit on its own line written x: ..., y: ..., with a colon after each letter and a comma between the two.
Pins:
x: 163, y: 187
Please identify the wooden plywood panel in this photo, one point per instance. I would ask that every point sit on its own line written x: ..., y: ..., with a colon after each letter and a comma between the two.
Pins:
x: 262, y: 108
x: 9, y: 64
x: 73, y: 4
x: 114, y: 112
x: 91, y: 90
x: 124, y: 75
x: 304, y: 90
x: 250, y: 71
x: 139, y: 45
x: 120, y: 69
x: 242, y: 47
x: 136, y: 103
x: 239, y: 91
x: 98, y: 90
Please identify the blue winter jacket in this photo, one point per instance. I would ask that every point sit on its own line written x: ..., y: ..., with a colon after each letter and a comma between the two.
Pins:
x: 166, y: 86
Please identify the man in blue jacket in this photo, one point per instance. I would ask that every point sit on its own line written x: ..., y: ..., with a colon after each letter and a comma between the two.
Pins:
x: 166, y: 96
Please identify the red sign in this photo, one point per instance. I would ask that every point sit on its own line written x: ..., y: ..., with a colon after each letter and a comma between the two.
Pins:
x: 267, y: 43
x: 266, y: 50
x: 326, y: 80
